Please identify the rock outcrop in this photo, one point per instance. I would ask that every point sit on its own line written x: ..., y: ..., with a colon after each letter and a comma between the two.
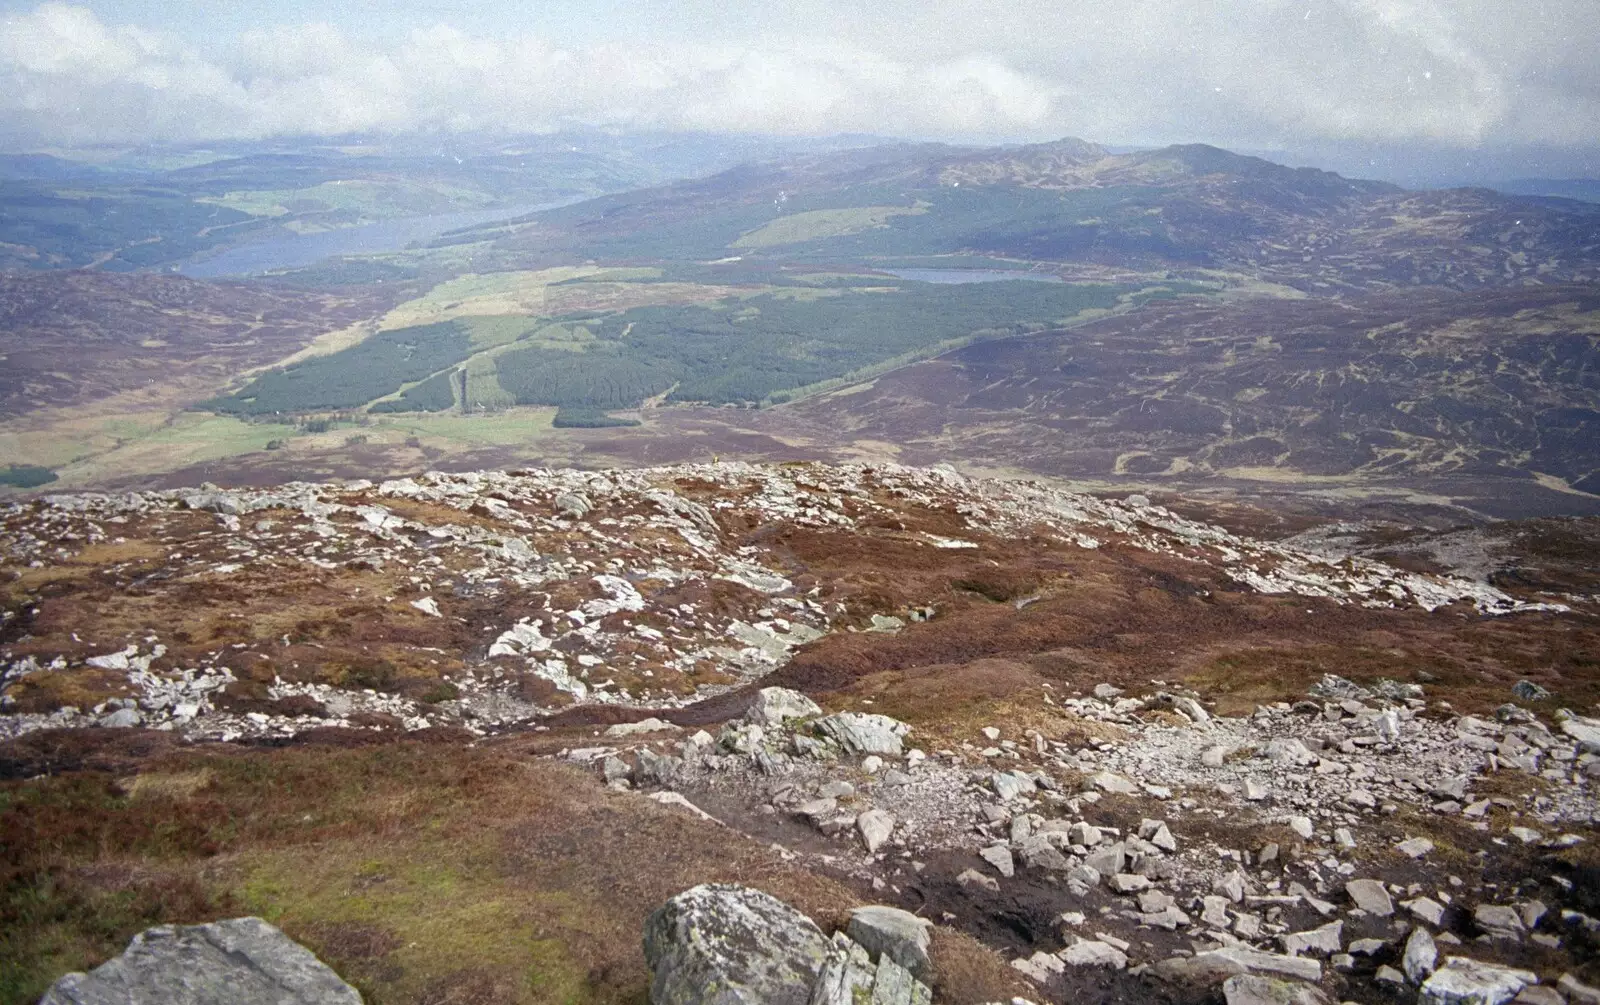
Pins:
x: 242, y: 961
x: 722, y: 944
x: 719, y: 944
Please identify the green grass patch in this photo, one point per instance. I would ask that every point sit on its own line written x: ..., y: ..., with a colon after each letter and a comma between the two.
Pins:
x: 817, y: 224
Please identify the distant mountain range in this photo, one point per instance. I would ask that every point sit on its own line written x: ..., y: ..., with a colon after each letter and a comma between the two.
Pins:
x: 144, y: 208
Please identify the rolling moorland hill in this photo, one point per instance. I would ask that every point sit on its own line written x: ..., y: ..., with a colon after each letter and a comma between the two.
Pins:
x: 1485, y: 397
x: 1194, y: 206
x: 433, y: 727
x: 158, y: 207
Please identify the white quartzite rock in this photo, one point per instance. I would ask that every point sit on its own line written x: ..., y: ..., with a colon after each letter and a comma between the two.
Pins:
x: 1093, y: 953
x: 1324, y: 939
x: 775, y: 705
x: 1420, y: 956
x: 1371, y: 896
x: 1577, y: 992
x: 1585, y: 731
x: 1106, y: 781
x: 875, y: 827
x: 1463, y: 981
x: 999, y: 856
x: 1253, y: 960
x: 863, y: 733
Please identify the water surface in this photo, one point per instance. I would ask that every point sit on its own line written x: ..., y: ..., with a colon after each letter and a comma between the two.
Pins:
x: 293, y: 251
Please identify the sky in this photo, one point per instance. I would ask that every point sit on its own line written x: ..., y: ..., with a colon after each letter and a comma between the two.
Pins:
x: 1482, y: 87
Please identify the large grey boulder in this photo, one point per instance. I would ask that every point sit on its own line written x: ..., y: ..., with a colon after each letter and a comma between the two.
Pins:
x: 720, y: 944
x: 242, y: 961
x: 776, y: 705
x: 864, y: 733
x: 1250, y: 989
x: 900, y: 935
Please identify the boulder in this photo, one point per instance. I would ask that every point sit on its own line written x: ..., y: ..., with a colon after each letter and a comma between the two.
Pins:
x: 1577, y: 992
x: 242, y: 961
x: 875, y: 827
x: 1324, y: 939
x: 1094, y: 953
x: 1499, y: 921
x: 1420, y: 956
x: 1251, y: 989
x: 899, y: 935
x: 776, y: 705
x: 999, y: 856
x: 1253, y: 961
x: 1463, y: 981
x: 1115, y: 784
x: 1371, y: 896
x: 1008, y: 785
x: 864, y: 733
x: 731, y: 945
x: 1585, y: 732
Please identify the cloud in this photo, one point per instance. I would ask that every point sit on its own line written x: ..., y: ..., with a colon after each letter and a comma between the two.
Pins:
x: 1252, y: 73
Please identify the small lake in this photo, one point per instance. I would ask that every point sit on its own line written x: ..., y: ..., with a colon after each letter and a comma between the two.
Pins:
x: 293, y: 251
x: 971, y: 275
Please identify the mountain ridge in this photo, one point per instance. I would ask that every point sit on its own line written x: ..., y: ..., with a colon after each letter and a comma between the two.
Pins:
x: 1183, y: 206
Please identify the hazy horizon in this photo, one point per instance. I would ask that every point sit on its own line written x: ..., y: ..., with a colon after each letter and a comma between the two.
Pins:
x: 1407, y: 90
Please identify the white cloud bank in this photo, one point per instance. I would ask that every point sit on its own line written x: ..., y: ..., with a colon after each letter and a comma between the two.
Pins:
x: 1252, y: 73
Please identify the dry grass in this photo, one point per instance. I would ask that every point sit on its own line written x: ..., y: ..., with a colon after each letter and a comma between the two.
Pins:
x: 422, y: 873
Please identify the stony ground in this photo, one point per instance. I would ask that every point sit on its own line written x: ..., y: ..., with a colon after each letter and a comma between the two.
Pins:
x: 1093, y: 736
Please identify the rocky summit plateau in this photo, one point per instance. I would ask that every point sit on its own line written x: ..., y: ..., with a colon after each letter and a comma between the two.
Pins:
x: 809, y: 732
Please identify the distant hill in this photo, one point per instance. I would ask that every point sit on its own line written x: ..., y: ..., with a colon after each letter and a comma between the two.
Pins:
x: 169, y: 204
x: 1586, y: 189
x: 44, y: 167
x: 1485, y: 394
x: 1191, y: 206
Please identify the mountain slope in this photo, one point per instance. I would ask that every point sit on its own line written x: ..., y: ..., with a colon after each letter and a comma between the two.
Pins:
x: 1422, y: 388
x: 432, y: 727
x: 1184, y: 206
